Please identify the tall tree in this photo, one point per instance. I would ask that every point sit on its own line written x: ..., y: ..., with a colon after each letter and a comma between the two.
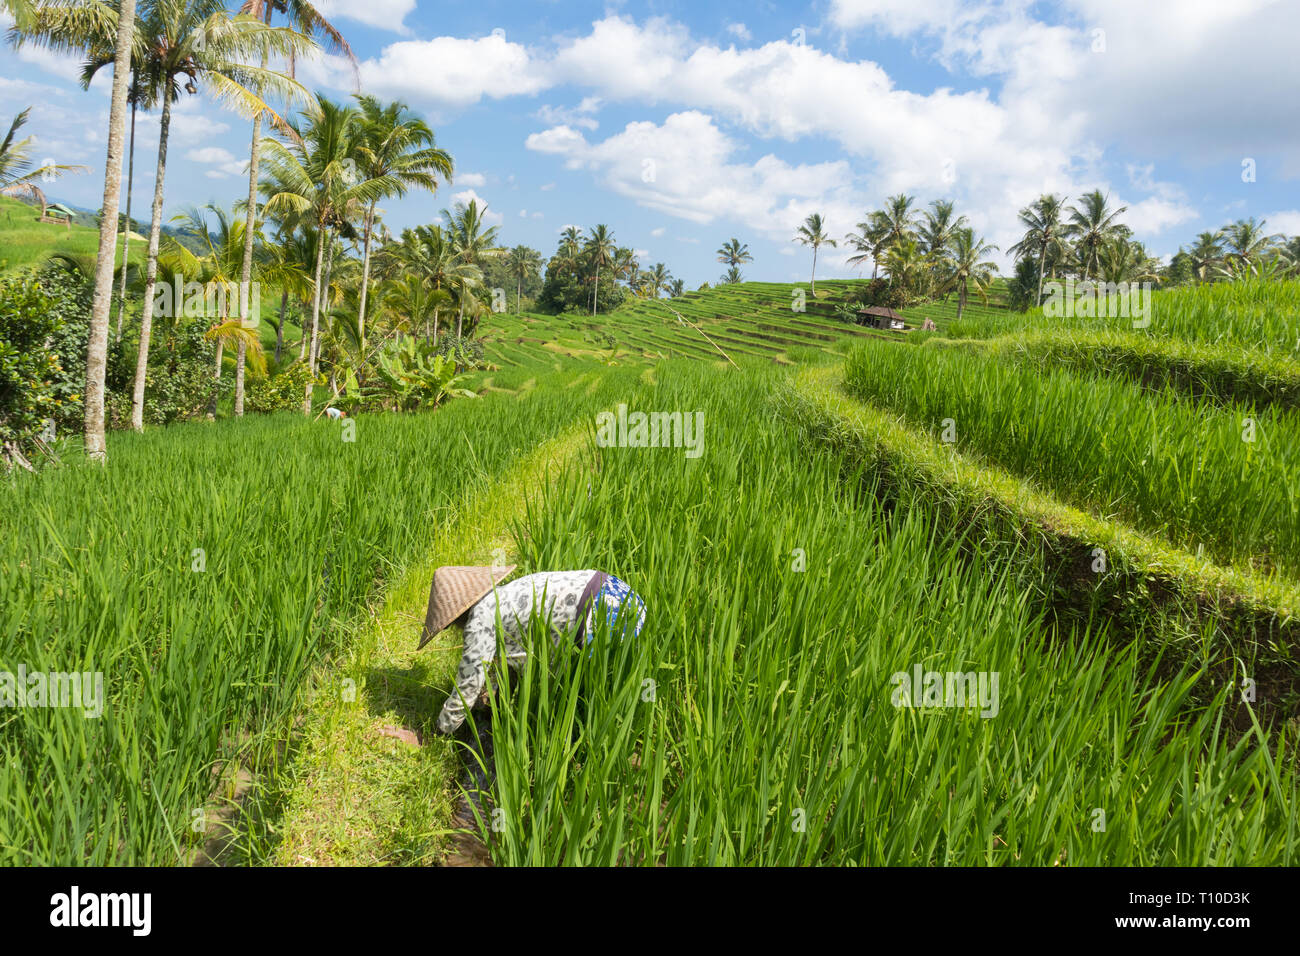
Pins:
x: 967, y: 266
x: 314, y: 179
x: 305, y: 19
x: 473, y: 241
x: 733, y: 252
x: 1045, y: 235
x: 813, y: 233
x: 1206, y: 253
x: 939, y: 227
x: 1246, y: 243
x: 399, y: 148
x: 656, y: 279
x: 600, y: 250
x: 522, y: 262
x: 869, y: 242
x: 1092, y: 224
x: 193, y: 44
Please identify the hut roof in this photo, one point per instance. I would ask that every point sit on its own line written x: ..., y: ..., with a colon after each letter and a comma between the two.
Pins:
x: 881, y: 311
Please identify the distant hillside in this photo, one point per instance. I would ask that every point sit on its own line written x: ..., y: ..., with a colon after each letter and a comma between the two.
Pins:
x: 26, y: 241
x: 745, y: 321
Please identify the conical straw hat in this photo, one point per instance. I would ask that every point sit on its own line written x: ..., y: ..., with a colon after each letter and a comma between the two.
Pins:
x: 455, y: 589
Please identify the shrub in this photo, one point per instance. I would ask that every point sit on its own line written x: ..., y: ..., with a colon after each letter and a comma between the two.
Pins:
x: 280, y: 392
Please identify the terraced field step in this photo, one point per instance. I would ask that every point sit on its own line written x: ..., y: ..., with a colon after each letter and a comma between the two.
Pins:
x: 1237, y: 612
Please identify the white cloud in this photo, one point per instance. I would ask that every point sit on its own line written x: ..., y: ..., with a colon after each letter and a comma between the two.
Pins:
x: 381, y: 14
x: 451, y: 71
x: 658, y: 232
x: 224, y: 163
x: 740, y: 32
x: 470, y: 179
x: 536, y: 215
x: 580, y: 115
x: 683, y: 168
x: 547, y: 187
x: 1285, y: 221
x: 210, y: 154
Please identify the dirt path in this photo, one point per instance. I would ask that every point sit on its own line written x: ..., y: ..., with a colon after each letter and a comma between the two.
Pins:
x: 372, y: 783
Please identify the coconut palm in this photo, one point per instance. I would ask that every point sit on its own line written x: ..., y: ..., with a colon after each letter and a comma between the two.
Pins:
x: 17, y: 177
x: 306, y: 20
x: 812, y: 233
x: 434, y: 256
x: 898, y: 220
x: 522, y: 262
x: 1246, y: 244
x: 1045, y: 236
x: 1124, y: 260
x: 400, y: 146
x: 600, y: 251
x: 313, y: 179
x: 676, y: 288
x: 1093, y: 224
x: 119, y: 22
x: 732, y: 276
x: 869, y: 242
x: 967, y: 267
x: 1206, y: 253
x: 908, y: 266
x: 939, y: 227
x: 193, y: 44
x: 657, y: 279
x: 733, y: 253
x: 473, y: 241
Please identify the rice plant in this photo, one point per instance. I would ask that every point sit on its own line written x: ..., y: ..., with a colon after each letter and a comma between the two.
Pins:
x: 1222, y: 479
x: 755, y: 719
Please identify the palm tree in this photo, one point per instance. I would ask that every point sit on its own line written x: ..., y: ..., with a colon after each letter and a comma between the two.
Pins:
x: 656, y: 279
x: 314, y: 180
x: 732, y: 277
x: 16, y: 174
x: 812, y: 233
x: 193, y: 43
x: 908, y: 265
x: 306, y: 20
x: 433, y: 255
x: 1247, y: 243
x: 1124, y: 260
x: 898, y: 220
x: 676, y: 288
x: 733, y: 252
x: 966, y: 268
x: 1092, y: 227
x: 522, y: 262
x: 600, y: 249
x: 1206, y: 253
x: 939, y: 228
x: 869, y: 242
x: 1045, y: 235
x: 472, y: 240
x: 399, y: 147
x: 118, y: 21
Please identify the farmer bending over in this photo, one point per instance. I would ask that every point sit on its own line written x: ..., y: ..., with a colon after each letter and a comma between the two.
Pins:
x: 570, y: 600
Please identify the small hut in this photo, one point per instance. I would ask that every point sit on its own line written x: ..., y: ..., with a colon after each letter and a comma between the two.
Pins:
x: 881, y: 317
x: 58, y: 214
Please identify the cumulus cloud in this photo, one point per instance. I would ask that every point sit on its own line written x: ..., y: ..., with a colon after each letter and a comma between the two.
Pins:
x: 470, y: 179
x: 684, y: 167
x: 466, y: 196
x: 381, y: 14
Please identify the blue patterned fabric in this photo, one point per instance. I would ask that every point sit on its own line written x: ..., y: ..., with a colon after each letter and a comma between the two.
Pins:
x: 622, y: 607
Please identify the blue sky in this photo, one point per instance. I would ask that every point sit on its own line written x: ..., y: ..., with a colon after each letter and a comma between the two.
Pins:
x: 682, y: 124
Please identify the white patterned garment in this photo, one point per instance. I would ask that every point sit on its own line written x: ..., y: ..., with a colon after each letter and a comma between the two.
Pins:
x: 556, y: 592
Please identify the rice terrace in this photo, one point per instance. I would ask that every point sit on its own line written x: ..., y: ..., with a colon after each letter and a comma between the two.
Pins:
x: 844, y: 489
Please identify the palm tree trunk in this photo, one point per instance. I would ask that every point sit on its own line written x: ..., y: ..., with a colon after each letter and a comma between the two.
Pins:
x: 216, y: 376
x: 97, y: 342
x: 365, y: 278
x: 1042, y: 262
x: 814, y: 273
x: 126, y: 229
x: 279, y: 329
x: 961, y: 299
x: 324, y: 299
x: 309, y: 341
x: 151, y: 272
x: 519, y: 292
x: 596, y: 292
x: 246, y: 267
